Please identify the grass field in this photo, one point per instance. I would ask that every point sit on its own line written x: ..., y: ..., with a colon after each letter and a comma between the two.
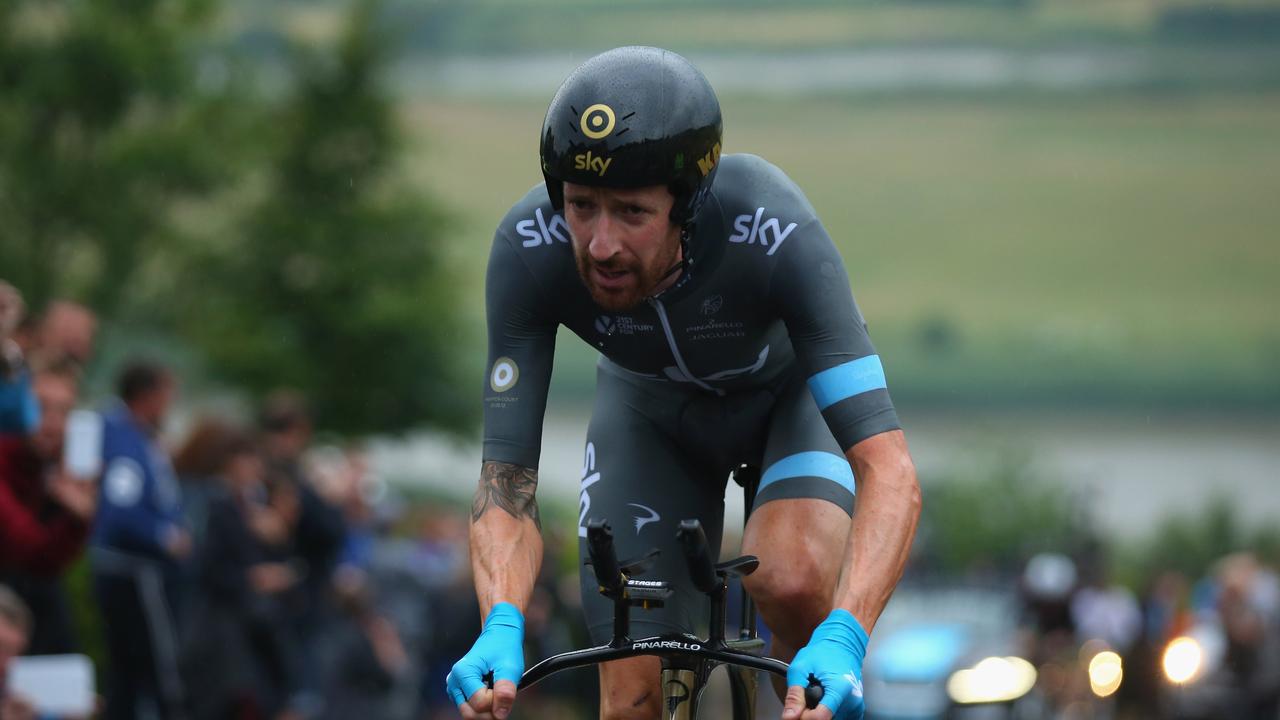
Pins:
x: 1079, y: 249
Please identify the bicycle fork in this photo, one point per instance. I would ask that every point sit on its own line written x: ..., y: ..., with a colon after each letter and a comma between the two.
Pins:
x: 682, y: 688
x: 681, y: 691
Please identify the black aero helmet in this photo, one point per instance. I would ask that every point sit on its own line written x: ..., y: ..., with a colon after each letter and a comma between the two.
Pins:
x: 634, y: 117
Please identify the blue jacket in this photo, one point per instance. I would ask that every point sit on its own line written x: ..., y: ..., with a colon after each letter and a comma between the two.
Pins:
x: 19, y: 411
x: 139, y: 503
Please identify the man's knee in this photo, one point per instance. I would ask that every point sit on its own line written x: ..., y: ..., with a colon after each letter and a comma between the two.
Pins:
x: 794, y: 596
x: 800, y: 543
x: 630, y: 689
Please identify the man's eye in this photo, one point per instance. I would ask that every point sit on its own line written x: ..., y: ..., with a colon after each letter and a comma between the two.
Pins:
x: 634, y: 210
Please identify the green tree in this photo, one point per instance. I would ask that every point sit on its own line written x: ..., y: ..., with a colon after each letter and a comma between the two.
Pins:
x: 996, y: 515
x: 104, y: 130
x: 337, y: 285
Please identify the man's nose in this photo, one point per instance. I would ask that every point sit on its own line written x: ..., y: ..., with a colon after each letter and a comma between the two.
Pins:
x: 604, y: 241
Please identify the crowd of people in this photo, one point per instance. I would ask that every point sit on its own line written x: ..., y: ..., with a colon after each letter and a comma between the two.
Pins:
x: 1232, y: 612
x: 243, y: 573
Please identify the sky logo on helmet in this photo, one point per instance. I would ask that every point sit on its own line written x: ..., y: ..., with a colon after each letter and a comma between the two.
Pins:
x: 593, y: 163
x: 708, y: 162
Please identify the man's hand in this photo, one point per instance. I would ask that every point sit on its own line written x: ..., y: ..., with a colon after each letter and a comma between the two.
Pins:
x: 834, y: 656
x: 79, y: 497
x: 498, y: 650
x: 15, y: 708
x: 270, y: 578
x: 177, y: 542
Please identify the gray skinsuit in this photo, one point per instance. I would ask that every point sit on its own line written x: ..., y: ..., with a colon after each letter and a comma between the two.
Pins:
x: 757, y: 355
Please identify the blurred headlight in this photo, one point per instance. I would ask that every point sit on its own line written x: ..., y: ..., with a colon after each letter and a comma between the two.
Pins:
x: 1183, y: 659
x: 1105, y: 673
x: 995, y: 679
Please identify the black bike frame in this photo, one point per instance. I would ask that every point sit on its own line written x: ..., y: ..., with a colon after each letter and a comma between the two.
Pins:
x: 677, y: 651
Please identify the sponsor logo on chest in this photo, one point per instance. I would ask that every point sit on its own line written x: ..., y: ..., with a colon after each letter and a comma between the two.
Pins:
x: 621, y: 325
x: 768, y: 232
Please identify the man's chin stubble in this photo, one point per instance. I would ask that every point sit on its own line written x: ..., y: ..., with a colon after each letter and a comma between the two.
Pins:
x: 615, y: 302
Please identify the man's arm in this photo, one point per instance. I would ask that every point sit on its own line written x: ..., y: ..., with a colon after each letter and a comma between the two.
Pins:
x: 884, y: 524
x: 506, y: 535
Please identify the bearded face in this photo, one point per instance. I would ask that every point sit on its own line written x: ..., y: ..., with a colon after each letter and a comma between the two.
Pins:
x: 623, y: 242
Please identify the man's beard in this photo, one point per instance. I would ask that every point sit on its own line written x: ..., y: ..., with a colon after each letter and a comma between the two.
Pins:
x: 643, y: 279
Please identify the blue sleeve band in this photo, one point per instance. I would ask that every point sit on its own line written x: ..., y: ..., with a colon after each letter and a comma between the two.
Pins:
x: 844, y: 381
x: 810, y: 464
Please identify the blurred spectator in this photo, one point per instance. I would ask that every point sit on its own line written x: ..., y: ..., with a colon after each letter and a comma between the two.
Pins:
x: 346, y: 485
x: 320, y: 532
x: 15, y: 626
x: 317, y: 536
x: 19, y: 412
x: 1247, y: 604
x: 1110, y: 614
x: 241, y: 648
x: 45, y: 513
x: 453, y: 607
x: 368, y: 655
x: 138, y: 543
x: 198, y: 464
x: 64, y: 329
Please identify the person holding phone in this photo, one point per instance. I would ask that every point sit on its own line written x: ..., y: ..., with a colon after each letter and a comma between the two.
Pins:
x: 45, y: 511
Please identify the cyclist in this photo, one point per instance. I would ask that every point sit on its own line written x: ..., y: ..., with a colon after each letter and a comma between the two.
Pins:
x: 728, y: 335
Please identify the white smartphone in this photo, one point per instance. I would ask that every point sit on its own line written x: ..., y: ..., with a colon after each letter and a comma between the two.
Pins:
x: 58, y: 685
x: 82, y: 446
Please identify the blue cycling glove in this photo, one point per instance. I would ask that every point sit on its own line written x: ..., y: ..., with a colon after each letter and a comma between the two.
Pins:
x: 834, y: 656
x: 499, y: 649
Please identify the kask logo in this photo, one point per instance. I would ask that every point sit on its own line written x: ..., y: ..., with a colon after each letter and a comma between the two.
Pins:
x: 540, y: 231
x: 707, y: 162
x: 770, y: 233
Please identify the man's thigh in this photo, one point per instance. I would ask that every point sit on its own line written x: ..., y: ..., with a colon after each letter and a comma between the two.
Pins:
x: 800, y: 525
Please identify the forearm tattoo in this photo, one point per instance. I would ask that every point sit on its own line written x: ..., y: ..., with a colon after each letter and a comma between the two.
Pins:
x: 510, y: 487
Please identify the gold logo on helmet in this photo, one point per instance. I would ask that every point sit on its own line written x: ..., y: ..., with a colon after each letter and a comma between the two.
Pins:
x: 597, y: 121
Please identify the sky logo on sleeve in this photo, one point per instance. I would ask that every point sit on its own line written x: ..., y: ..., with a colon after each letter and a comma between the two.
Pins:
x: 770, y: 234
